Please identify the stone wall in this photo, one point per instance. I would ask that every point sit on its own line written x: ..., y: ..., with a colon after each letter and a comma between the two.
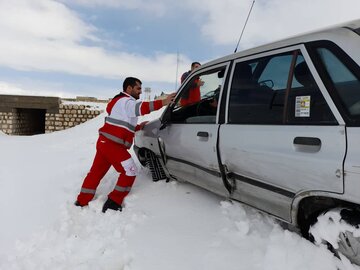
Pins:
x: 69, y: 115
x: 28, y: 121
x: 25, y: 121
x: 6, y: 122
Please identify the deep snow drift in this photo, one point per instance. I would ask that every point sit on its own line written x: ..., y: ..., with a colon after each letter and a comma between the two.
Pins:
x: 163, y: 225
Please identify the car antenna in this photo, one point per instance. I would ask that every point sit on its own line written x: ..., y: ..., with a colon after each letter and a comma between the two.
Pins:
x: 177, y: 69
x: 242, y: 32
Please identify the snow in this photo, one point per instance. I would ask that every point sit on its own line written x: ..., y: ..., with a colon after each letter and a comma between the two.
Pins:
x: 163, y: 225
x: 331, y: 222
x: 88, y: 104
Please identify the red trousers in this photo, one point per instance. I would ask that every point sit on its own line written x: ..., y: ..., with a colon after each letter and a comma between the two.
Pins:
x: 109, y: 153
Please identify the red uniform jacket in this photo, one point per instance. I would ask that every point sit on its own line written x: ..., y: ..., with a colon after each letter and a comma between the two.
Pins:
x: 123, y: 111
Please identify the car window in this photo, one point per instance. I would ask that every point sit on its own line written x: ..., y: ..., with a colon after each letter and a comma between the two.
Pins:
x: 257, y: 95
x: 306, y: 103
x: 346, y: 83
x: 276, y: 72
x: 198, y: 100
x: 260, y: 95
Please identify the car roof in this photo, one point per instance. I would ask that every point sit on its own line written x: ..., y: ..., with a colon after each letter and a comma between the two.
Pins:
x: 328, y: 33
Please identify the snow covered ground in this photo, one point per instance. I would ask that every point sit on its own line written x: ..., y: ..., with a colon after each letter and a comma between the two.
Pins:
x: 164, y: 226
x: 88, y: 104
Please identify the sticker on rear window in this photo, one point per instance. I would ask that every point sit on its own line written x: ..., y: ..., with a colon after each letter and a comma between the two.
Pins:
x: 302, y: 106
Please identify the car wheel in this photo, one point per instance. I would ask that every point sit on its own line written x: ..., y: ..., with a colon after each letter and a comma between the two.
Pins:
x: 338, y: 229
x: 155, y: 167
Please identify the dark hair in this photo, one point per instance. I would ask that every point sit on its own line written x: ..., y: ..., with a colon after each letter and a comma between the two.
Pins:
x: 130, y: 81
x: 195, y: 63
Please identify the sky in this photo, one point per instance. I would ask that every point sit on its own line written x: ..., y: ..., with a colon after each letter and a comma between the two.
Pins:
x: 71, y: 48
x: 163, y: 226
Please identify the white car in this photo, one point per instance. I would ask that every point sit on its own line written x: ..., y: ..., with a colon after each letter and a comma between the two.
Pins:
x: 277, y: 127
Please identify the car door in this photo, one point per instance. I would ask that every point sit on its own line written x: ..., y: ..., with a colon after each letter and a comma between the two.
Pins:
x: 281, y: 139
x: 189, y: 137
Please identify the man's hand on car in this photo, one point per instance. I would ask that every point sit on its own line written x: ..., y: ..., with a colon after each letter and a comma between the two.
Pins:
x: 169, y: 99
x: 142, y: 125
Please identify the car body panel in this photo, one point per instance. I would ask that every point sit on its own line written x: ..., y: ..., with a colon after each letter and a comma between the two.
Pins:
x: 191, y: 157
x: 278, y: 168
x: 352, y: 164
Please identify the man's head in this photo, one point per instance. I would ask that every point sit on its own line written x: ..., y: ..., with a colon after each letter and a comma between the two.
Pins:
x: 195, y: 65
x: 132, y: 86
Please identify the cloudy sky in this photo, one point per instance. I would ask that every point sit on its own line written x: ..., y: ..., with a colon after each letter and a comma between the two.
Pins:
x: 87, y: 47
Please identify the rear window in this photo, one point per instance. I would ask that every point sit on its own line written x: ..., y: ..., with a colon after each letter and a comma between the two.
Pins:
x: 280, y: 90
x: 345, y: 82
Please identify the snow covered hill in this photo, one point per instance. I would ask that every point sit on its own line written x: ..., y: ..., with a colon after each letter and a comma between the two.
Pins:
x: 164, y: 226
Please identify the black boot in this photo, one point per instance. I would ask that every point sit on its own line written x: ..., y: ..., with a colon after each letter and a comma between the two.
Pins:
x: 78, y: 204
x: 110, y: 204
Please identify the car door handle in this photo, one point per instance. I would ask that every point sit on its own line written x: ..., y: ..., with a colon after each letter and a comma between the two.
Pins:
x: 307, y: 144
x: 312, y: 141
x: 203, y: 134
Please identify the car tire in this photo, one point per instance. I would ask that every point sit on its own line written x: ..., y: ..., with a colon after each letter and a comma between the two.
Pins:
x: 345, y: 233
x: 155, y: 167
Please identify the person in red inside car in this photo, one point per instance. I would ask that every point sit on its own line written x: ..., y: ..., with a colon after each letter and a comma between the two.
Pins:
x: 192, y: 94
x: 115, y: 138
